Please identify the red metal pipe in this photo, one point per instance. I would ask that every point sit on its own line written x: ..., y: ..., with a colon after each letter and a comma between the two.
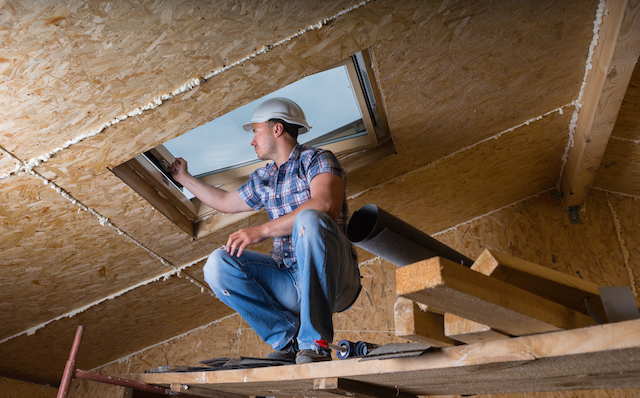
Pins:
x: 85, y: 375
x: 70, y: 367
x: 70, y: 372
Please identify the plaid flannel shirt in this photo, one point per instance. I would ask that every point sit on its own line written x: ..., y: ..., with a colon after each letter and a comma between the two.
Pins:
x: 282, y: 190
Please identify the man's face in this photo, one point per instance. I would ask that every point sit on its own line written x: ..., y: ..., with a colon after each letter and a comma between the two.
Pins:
x: 264, y: 141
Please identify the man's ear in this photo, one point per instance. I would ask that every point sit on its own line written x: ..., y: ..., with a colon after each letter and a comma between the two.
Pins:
x: 278, y: 130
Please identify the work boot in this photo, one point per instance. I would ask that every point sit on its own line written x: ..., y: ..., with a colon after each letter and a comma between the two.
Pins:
x: 285, y: 354
x: 315, y: 355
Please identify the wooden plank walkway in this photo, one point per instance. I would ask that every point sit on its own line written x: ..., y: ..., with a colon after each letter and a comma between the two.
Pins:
x: 594, y: 357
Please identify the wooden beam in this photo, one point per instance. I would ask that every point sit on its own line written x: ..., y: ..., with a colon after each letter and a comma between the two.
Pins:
x: 613, y: 61
x: 556, y: 286
x: 468, y: 331
x: 448, y: 287
x: 421, y: 326
x: 598, y: 357
x: 356, y: 389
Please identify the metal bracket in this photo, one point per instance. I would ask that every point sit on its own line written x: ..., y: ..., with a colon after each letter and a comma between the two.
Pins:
x: 574, y: 214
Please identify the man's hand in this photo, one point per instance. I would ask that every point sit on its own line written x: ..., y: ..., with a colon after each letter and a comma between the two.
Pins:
x: 240, y: 239
x: 179, y: 170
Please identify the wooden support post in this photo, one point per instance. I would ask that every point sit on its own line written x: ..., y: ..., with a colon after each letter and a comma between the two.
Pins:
x: 468, y: 331
x: 357, y: 389
x: 412, y: 323
x: 613, y: 62
x: 448, y: 287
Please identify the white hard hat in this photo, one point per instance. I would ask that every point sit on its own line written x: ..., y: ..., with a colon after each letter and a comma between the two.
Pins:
x: 279, y: 108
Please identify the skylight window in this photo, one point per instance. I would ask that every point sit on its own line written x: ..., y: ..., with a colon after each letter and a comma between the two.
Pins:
x: 327, y: 98
x: 339, y: 103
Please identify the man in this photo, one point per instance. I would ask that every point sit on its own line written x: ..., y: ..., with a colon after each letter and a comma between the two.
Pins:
x: 289, y: 296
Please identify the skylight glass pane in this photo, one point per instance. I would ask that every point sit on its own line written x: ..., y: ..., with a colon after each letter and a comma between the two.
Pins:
x: 327, y: 99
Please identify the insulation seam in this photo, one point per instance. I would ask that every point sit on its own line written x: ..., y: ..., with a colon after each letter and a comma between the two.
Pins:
x: 452, y: 154
x: 625, y: 139
x: 623, y: 247
x: 597, y: 23
x: 188, y: 86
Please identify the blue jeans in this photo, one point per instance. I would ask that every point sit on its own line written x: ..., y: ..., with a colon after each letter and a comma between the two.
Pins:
x: 298, y: 302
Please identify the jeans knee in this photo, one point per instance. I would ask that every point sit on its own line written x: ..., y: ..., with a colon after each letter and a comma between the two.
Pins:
x: 216, y: 269
x: 310, y: 218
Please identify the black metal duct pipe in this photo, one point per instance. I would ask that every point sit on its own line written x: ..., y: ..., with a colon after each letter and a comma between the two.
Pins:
x: 385, y: 235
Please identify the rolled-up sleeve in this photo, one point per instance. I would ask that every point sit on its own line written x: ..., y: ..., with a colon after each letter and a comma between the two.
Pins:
x: 249, y: 194
x: 324, y: 162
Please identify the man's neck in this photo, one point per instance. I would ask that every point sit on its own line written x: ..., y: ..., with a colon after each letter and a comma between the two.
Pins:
x: 284, y: 153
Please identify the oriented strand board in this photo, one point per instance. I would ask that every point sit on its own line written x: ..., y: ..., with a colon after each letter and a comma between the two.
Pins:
x: 483, y: 68
x: 73, y: 66
x: 57, y: 258
x: 618, y: 172
x: 626, y: 214
x: 628, y: 121
x: 14, y: 389
x: 538, y: 230
x: 492, y: 174
x: 7, y: 162
x: 128, y: 323
x: 220, y: 339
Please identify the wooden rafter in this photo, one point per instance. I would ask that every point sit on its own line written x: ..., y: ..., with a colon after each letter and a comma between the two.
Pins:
x: 613, y: 62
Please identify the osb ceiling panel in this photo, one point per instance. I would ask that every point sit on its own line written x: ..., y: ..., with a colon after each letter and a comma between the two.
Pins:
x: 464, y: 71
x: 493, y: 174
x: 72, y: 66
x: 128, y: 323
x: 620, y: 167
x: 628, y: 122
x: 57, y: 257
x: 619, y: 170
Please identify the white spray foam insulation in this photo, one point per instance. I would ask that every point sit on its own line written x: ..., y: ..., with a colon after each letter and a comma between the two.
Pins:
x: 613, y: 137
x: 597, y: 23
x: 160, y: 99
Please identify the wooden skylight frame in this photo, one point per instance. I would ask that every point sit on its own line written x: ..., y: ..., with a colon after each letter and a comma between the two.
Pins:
x: 159, y: 189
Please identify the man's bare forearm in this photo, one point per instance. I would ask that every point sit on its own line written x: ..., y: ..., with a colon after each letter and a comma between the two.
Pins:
x: 216, y: 198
